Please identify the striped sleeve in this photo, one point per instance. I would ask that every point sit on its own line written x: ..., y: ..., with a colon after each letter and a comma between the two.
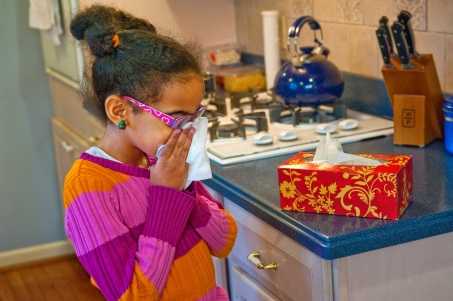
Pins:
x: 122, y: 267
x: 216, y: 226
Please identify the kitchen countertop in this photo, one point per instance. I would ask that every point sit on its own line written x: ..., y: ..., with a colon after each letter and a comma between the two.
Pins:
x: 254, y: 187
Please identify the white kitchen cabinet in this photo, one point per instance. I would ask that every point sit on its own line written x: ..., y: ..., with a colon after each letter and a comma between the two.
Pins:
x: 68, y: 146
x: 245, y: 289
x: 415, y: 271
x: 420, y: 270
x: 300, y: 274
x: 219, y: 264
x: 65, y: 58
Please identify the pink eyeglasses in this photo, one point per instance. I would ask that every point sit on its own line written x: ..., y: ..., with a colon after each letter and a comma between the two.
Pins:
x: 173, y: 122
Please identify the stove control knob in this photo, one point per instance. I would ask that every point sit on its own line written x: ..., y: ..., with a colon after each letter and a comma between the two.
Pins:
x: 287, y: 136
x: 325, y: 128
x: 348, y: 124
x: 263, y: 138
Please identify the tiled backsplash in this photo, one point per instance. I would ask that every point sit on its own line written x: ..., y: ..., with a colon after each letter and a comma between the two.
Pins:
x: 349, y: 30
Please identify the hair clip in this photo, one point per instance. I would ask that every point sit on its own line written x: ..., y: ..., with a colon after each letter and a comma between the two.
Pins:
x: 115, y: 40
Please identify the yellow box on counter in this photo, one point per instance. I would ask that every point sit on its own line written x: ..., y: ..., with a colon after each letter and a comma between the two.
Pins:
x: 241, y: 79
x: 381, y: 191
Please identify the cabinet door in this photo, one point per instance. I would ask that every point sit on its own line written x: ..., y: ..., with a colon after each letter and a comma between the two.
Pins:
x: 68, y: 146
x: 243, y: 288
x: 300, y: 275
x: 220, y: 272
x: 65, y: 58
x: 219, y: 264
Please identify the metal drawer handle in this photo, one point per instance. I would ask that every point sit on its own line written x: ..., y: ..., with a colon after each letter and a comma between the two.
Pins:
x: 255, y: 258
x: 67, y: 147
x: 93, y: 139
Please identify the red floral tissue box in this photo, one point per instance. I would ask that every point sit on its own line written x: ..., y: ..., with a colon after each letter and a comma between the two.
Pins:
x: 381, y: 191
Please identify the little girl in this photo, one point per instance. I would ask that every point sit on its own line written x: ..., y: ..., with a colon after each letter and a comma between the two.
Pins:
x: 135, y: 229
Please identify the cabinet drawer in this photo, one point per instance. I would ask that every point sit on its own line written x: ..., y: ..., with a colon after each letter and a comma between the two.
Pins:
x: 245, y: 289
x: 67, y: 146
x: 300, y: 275
x: 68, y: 106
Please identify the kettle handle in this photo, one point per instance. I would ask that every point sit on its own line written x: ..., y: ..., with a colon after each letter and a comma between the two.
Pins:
x: 297, y: 25
x: 294, y: 32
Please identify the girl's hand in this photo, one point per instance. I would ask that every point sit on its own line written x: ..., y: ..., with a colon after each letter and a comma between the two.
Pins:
x: 171, y: 168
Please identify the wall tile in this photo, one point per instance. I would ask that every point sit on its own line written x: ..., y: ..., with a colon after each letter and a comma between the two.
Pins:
x: 440, y: 15
x: 349, y: 11
x: 255, y: 31
x: 449, y: 64
x: 325, y: 10
x: 353, y: 48
x: 332, y: 32
x: 256, y: 27
x: 242, y: 22
x: 299, y: 8
x: 281, y: 6
x: 433, y: 43
x: 363, y: 51
x: 417, y: 8
x: 373, y: 10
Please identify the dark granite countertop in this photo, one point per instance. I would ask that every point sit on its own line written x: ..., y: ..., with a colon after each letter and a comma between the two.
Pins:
x: 254, y: 187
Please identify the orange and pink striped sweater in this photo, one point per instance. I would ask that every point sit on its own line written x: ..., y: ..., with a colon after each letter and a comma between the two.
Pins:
x: 143, y: 242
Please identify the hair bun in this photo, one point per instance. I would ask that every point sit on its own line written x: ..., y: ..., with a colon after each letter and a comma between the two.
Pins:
x: 98, y: 24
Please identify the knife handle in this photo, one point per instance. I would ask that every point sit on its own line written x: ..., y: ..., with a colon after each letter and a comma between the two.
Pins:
x: 384, y: 22
x: 401, y: 44
x: 404, y: 18
x: 383, y: 45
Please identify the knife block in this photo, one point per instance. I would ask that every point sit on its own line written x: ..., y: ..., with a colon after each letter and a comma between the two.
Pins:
x: 411, y: 123
x: 416, y: 95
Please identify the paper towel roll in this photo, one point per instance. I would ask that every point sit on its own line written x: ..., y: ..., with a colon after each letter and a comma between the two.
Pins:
x: 271, y: 45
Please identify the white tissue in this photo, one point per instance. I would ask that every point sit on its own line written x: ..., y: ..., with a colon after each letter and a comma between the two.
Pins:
x: 197, y: 158
x: 199, y: 164
x: 330, y: 151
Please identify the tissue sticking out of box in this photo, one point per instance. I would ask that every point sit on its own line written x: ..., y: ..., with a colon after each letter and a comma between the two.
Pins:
x: 330, y: 151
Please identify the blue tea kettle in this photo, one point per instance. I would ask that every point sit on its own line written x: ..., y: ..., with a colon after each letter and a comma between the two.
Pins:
x: 309, y: 79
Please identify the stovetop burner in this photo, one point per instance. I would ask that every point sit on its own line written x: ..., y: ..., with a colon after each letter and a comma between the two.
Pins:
x: 235, y: 120
x: 242, y: 113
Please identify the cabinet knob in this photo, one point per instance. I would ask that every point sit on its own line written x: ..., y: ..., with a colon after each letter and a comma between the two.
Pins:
x: 255, y: 258
x: 67, y: 147
x: 93, y: 139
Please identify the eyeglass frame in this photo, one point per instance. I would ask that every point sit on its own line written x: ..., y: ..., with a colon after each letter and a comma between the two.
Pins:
x: 169, y: 120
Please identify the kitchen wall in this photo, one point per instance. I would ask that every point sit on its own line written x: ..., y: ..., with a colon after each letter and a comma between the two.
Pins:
x: 205, y: 21
x: 349, y: 27
x: 30, y: 210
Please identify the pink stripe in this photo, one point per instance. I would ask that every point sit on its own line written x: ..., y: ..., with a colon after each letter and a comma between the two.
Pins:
x: 216, y: 231
x: 92, y: 219
x: 110, y: 213
x: 201, y: 190
x: 216, y: 294
x: 155, y: 258
x: 134, y: 197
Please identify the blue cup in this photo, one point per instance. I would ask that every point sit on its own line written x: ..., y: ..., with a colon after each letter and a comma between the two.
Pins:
x: 448, y: 124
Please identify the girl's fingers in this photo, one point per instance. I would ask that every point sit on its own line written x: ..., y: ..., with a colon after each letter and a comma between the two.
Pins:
x: 183, y: 145
x: 171, y: 143
x: 186, y: 147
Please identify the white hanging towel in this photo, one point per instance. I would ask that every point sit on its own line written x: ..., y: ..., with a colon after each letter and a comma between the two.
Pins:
x: 41, y: 14
x: 45, y: 15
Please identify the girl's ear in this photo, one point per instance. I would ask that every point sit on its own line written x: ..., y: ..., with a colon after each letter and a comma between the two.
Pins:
x: 116, y: 109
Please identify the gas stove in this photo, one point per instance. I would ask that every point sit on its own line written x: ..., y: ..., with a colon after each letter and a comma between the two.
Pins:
x: 251, y: 126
